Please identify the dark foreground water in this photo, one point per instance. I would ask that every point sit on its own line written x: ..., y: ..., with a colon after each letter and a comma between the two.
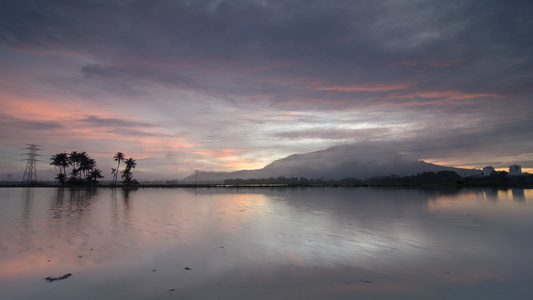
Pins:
x: 312, y: 243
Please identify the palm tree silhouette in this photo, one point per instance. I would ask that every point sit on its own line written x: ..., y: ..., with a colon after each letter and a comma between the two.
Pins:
x: 119, y: 156
x: 113, y: 173
x: 87, y: 164
x: 61, y: 178
x: 83, y: 172
x: 60, y: 160
x: 74, y: 159
x: 127, y: 177
x: 130, y: 163
x: 94, y: 175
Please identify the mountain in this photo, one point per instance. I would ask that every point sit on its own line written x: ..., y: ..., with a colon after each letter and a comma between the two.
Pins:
x: 336, y: 163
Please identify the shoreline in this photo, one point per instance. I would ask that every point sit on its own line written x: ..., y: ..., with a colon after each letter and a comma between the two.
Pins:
x: 276, y: 185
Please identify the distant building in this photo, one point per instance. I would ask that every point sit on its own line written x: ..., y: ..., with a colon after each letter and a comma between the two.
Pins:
x: 487, y: 171
x: 515, y: 170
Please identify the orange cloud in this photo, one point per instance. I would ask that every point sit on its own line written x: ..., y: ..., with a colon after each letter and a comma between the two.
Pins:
x: 243, y: 164
x: 454, y: 95
x: 230, y: 159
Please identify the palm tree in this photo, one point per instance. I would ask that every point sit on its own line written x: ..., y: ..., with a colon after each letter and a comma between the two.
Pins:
x: 60, y: 160
x: 74, y: 159
x: 94, y: 175
x: 113, y: 173
x: 119, y: 156
x: 74, y: 177
x: 61, y: 178
x: 83, y: 171
x: 56, y: 162
x: 130, y: 163
x: 127, y: 177
x: 64, y: 162
x: 87, y: 164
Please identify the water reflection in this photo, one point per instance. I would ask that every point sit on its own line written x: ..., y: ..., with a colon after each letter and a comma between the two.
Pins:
x: 315, y: 243
x: 26, y: 210
x: 518, y: 194
x: 78, y: 202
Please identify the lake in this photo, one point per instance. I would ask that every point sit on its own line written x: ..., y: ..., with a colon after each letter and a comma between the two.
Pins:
x: 266, y: 243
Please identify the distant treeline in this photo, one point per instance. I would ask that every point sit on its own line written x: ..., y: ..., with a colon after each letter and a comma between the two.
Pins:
x: 276, y: 180
x: 425, y: 178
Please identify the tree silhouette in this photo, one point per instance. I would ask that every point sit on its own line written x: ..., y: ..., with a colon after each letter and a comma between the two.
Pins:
x: 74, y: 159
x: 61, y: 178
x: 86, y: 164
x: 127, y: 176
x: 94, y: 175
x: 114, y: 174
x: 60, y: 160
x: 119, y: 156
x: 84, y: 169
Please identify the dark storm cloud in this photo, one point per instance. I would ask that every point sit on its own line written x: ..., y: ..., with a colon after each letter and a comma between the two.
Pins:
x: 359, y: 135
x: 435, y: 78
x: 139, y: 133
x: 95, y: 121
x: 508, y: 138
x: 142, y: 74
x: 467, y: 46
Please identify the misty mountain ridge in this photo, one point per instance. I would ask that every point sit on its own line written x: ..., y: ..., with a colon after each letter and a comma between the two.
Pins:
x: 335, y: 163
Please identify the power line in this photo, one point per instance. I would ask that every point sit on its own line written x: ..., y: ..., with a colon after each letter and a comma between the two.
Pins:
x: 30, y: 173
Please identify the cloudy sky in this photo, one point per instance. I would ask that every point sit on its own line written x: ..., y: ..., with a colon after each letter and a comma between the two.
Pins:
x: 224, y: 85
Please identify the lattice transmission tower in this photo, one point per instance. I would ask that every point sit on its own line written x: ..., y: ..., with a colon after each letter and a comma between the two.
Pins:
x: 30, y: 174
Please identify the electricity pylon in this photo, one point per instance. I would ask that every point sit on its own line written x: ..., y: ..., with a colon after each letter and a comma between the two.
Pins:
x: 30, y: 174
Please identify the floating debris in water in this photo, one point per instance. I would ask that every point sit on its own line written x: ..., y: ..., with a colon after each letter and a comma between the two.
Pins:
x: 187, y: 268
x: 171, y: 290
x: 52, y: 279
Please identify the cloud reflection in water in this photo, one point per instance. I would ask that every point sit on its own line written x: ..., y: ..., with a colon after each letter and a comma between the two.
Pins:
x: 266, y: 243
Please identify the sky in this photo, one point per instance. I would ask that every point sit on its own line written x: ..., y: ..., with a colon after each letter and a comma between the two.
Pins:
x: 226, y: 85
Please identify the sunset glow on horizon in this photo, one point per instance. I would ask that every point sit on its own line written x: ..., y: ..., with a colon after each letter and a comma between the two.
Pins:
x: 225, y: 85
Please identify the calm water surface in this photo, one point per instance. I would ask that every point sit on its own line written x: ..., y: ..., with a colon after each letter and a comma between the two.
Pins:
x: 311, y: 243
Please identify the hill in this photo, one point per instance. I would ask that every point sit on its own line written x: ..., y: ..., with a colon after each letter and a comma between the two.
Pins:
x: 336, y: 163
